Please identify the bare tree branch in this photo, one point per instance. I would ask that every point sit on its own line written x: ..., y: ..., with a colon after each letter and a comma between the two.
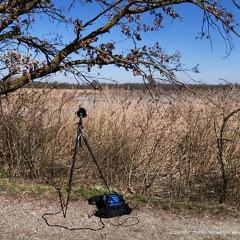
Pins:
x: 27, y: 55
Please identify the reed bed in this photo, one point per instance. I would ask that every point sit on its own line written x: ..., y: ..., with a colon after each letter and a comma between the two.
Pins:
x: 166, y: 144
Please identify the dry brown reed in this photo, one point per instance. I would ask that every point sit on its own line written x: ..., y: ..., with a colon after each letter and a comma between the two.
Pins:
x: 163, y: 145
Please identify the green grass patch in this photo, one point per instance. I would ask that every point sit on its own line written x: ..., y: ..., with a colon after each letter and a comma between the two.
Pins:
x: 15, y: 189
x: 163, y: 204
x: 81, y: 192
x: 3, y: 184
x: 220, y: 210
x: 3, y: 175
x: 137, y: 198
x: 32, y: 189
x: 193, y: 207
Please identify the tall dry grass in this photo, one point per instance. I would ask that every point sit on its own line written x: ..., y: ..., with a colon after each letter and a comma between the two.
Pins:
x: 165, y: 145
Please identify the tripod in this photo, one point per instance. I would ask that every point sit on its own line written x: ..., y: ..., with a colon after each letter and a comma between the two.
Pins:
x: 81, y: 113
x: 108, y: 205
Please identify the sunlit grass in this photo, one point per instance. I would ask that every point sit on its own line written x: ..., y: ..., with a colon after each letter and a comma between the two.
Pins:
x: 49, y: 193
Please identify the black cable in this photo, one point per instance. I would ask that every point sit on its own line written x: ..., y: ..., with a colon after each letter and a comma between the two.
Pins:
x: 122, y: 224
x: 68, y: 228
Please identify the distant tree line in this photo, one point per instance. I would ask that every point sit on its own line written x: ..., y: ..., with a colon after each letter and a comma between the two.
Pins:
x: 126, y: 86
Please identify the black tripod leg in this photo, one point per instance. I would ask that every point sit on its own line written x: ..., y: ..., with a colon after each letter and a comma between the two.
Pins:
x: 69, y: 188
x: 95, y: 161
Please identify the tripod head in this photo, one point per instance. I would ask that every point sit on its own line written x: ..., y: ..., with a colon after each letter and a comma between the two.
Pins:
x: 81, y: 113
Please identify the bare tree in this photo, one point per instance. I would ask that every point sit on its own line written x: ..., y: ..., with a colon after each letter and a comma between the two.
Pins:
x: 26, y: 55
x: 222, y: 156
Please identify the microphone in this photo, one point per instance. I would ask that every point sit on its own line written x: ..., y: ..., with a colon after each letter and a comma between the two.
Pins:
x: 81, y: 113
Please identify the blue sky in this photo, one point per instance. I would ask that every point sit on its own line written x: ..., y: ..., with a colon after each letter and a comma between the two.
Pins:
x: 180, y: 36
x: 214, y: 65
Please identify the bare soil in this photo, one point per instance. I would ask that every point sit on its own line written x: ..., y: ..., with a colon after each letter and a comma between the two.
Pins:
x: 21, y: 218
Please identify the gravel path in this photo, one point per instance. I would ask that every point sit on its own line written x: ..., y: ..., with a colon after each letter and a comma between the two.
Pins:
x: 22, y: 219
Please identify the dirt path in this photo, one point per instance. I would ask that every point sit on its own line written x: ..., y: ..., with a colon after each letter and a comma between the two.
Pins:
x: 22, y: 219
